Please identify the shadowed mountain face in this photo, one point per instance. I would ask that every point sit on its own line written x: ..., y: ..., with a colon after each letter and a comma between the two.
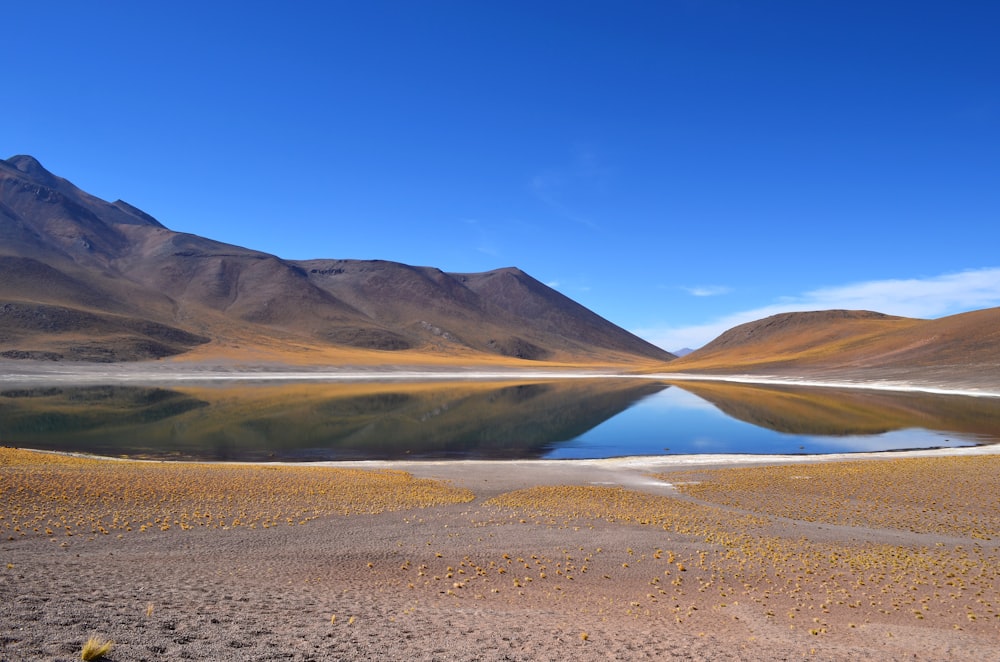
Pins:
x: 125, y: 287
x: 846, y: 342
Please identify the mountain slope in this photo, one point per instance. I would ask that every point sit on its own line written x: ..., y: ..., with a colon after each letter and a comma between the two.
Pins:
x: 839, y: 340
x: 487, y: 311
x: 128, y: 283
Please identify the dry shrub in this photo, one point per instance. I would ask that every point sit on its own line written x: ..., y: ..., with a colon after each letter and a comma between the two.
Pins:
x: 95, y: 648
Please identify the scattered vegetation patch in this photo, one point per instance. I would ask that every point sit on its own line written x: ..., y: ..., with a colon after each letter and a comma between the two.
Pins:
x: 778, y: 569
x: 59, y: 496
x: 613, y: 504
x: 957, y: 496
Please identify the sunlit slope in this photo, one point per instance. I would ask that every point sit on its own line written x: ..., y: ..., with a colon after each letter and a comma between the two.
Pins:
x: 845, y: 339
x: 86, y: 279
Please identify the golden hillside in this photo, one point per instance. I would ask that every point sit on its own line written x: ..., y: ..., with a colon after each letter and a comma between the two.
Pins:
x: 842, y: 339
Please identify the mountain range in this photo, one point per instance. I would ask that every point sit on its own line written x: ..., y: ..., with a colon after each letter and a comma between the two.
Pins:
x: 85, y: 279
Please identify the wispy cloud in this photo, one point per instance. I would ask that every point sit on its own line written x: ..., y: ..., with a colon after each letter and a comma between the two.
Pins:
x: 930, y: 297
x: 707, y: 290
x: 551, y: 198
x: 554, y: 284
x: 482, y: 237
x: 558, y: 187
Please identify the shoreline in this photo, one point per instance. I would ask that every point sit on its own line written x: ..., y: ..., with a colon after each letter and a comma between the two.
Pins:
x: 492, y: 477
x: 35, y: 373
x: 631, y: 464
x: 965, y: 389
x: 638, y: 462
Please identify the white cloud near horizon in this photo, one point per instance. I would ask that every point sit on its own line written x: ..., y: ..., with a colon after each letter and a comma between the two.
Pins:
x: 935, y: 296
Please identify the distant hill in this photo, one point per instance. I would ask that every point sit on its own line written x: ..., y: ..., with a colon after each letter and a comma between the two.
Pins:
x: 86, y: 279
x: 849, y: 340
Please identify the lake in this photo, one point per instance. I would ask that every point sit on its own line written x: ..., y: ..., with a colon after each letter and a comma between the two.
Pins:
x: 558, y: 419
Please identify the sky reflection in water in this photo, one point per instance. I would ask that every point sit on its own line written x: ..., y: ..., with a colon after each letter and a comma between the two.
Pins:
x: 676, y: 422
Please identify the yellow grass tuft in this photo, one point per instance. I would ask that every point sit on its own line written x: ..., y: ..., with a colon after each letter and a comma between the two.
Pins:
x: 95, y: 648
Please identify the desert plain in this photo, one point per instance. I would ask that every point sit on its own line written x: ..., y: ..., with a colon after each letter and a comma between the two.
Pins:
x: 886, y: 556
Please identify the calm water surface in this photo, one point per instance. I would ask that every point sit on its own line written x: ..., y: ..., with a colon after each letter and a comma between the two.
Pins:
x: 574, y: 418
x: 675, y: 421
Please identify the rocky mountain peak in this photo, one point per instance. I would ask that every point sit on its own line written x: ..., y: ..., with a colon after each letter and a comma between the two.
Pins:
x: 31, y: 167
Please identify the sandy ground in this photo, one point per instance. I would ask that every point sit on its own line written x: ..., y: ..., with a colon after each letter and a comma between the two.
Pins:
x: 616, y: 561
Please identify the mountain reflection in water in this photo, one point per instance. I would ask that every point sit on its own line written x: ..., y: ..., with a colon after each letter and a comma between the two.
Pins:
x: 315, y: 421
x: 498, y: 420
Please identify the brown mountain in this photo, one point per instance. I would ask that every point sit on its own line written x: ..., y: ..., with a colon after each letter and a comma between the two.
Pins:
x: 845, y: 342
x: 86, y: 279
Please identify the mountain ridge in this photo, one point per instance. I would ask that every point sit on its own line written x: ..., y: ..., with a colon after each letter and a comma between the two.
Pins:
x: 82, y: 278
x: 69, y: 250
x: 857, y: 344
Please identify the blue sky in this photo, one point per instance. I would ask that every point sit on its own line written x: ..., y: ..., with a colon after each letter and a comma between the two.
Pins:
x: 677, y: 166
